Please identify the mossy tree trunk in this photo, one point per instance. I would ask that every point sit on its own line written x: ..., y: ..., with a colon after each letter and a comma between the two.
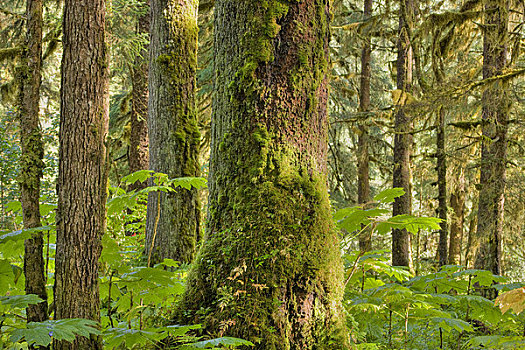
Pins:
x: 495, y: 106
x: 441, y: 166
x: 138, y: 152
x: 31, y: 164
x: 402, y: 175
x: 173, y: 132
x: 83, y: 165
x: 270, y: 268
x: 363, y: 159
x: 457, y: 202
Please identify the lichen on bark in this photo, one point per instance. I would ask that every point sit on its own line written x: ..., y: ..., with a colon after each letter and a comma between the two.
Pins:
x: 270, y: 268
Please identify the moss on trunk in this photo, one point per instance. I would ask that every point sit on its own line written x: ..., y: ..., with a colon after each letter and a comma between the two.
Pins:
x: 173, y: 132
x: 270, y: 268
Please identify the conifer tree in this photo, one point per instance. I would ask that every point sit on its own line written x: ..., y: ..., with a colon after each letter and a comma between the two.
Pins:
x: 83, y: 165
x: 172, y: 227
x: 363, y: 159
x: 495, y: 102
x: 31, y: 163
x: 138, y: 152
x: 270, y: 269
x: 402, y: 174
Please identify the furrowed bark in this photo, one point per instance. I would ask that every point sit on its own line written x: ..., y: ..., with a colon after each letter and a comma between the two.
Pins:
x: 173, y: 131
x: 83, y: 165
x: 138, y: 151
x: 495, y: 106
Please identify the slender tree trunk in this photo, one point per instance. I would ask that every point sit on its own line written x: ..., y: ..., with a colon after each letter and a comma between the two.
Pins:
x: 138, y: 152
x: 270, y: 268
x: 494, y: 142
x: 472, y: 242
x: 402, y: 175
x: 83, y: 165
x: 173, y: 132
x: 457, y: 202
x: 31, y: 163
x: 442, y: 189
x: 363, y: 159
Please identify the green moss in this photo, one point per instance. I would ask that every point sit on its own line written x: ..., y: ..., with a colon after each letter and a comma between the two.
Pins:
x: 31, y: 163
x: 269, y: 270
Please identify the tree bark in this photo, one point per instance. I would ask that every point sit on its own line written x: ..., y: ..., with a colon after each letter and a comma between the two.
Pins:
x: 31, y: 164
x: 270, y: 268
x: 402, y: 175
x: 495, y: 106
x: 83, y: 165
x: 173, y: 131
x: 457, y: 202
x: 138, y: 151
x: 363, y: 158
x: 442, y: 209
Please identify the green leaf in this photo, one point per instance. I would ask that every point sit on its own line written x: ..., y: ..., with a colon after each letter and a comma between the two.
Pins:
x: 188, y: 182
x: 213, y: 343
x: 14, y: 206
x: 497, y: 342
x: 23, y: 234
x: 448, y: 324
x: 141, y: 175
x: 20, y: 301
x: 115, y: 337
x: 46, y: 208
x: 389, y: 195
x: 41, y: 333
x: 6, y: 275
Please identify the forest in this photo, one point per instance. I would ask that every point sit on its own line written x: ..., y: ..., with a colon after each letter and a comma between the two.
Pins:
x: 262, y: 174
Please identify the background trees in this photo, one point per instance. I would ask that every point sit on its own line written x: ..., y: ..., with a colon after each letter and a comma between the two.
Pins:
x: 460, y: 139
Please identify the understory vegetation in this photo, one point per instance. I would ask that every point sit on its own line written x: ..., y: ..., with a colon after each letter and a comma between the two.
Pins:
x: 386, y: 307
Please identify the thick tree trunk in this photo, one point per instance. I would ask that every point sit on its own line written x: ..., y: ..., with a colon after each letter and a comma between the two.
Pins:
x: 173, y: 132
x: 270, y: 268
x: 494, y: 142
x: 138, y: 150
x: 442, y: 189
x: 82, y: 171
x: 363, y: 157
x: 31, y: 164
x: 457, y: 202
x: 402, y: 175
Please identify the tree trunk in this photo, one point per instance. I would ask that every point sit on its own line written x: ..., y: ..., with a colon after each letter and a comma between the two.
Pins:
x: 472, y: 242
x: 442, y: 189
x: 457, y: 202
x: 495, y: 106
x: 363, y: 159
x: 270, y: 269
x: 402, y: 175
x: 83, y: 165
x: 31, y: 164
x: 173, y: 132
x: 138, y: 152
